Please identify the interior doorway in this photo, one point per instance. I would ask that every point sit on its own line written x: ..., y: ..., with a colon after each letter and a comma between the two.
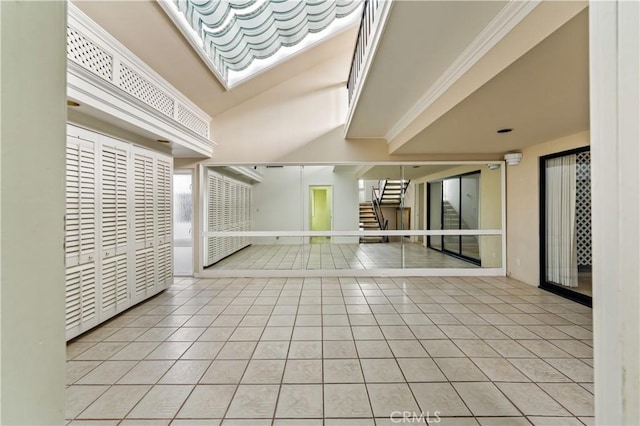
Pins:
x: 320, y: 211
x: 182, y: 223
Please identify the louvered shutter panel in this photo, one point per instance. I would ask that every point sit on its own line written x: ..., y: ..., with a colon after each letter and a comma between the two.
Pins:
x: 115, y: 289
x: 118, y: 201
x: 80, y: 214
x: 80, y: 299
x: 165, y: 265
x: 80, y: 235
x: 214, y: 189
x: 144, y: 206
x: 143, y: 182
x: 228, y: 209
x: 72, y: 201
x: 87, y: 203
x: 164, y: 220
x: 115, y: 212
x: 115, y: 209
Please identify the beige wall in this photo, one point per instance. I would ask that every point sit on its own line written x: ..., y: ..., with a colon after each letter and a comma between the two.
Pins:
x: 33, y: 116
x: 523, y: 192
x: 300, y: 121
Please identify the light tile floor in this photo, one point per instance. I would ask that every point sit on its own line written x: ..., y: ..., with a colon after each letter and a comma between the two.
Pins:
x: 339, y: 256
x: 337, y: 351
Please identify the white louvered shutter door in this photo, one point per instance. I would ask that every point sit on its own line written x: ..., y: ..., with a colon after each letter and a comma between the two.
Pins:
x: 80, y: 234
x: 144, y: 206
x: 226, y: 215
x: 72, y: 201
x: 164, y: 221
x: 214, y: 217
x: 115, y: 224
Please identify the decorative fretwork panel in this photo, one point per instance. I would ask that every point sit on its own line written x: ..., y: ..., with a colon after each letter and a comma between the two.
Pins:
x: 134, y: 84
x: 88, y: 55
x: 583, y: 207
x: 190, y: 120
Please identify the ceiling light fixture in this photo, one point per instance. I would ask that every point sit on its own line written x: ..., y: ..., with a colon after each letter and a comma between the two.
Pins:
x: 505, y: 130
x: 513, y: 158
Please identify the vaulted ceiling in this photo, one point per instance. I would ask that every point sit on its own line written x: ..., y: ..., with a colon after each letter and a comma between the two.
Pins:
x: 535, y: 80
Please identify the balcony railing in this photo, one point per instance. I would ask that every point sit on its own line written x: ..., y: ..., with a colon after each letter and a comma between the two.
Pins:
x: 93, y: 49
x: 373, y: 12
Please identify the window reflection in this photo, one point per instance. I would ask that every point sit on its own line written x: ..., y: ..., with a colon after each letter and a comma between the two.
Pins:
x: 323, y: 217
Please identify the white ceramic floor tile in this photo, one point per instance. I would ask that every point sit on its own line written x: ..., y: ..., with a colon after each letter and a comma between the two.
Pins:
x: 387, y: 398
x: 115, y: 403
x: 303, y: 371
x: 254, y: 402
x: 346, y: 400
x: 300, y: 402
x: 185, y: 372
x: 312, y: 351
x: 79, y: 398
x: 441, y: 397
x: 484, y: 399
x: 207, y: 402
x: 531, y: 400
x: 161, y: 402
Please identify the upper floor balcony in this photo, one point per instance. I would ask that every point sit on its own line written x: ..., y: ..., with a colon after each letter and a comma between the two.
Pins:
x: 441, y: 77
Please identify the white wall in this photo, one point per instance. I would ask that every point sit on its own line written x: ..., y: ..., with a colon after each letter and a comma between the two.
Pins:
x: 281, y: 201
x: 32, y: 135
x: 614, y: 50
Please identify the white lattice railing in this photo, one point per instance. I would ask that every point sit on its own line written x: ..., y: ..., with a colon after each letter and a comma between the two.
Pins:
x: 96, y: 51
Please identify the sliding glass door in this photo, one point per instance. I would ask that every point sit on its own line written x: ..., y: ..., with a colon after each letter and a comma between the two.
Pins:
x: 454, y: 204
x: 565, y: 222
x: 435, y: 214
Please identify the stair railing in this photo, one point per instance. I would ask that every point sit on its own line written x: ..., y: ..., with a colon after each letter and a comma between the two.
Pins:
x: 382, y: 184
x: 376, y: 196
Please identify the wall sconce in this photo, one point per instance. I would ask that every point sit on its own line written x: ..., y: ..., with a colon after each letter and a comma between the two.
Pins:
x: 513, y: 158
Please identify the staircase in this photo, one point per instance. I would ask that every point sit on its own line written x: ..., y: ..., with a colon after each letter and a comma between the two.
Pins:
x: 392, y: 190
x: 450, y: 220
x: 368, y: 222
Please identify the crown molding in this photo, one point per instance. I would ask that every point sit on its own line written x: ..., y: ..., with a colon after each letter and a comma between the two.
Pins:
x: 507, y: 19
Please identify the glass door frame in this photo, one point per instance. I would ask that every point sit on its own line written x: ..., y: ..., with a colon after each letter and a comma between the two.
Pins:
x: 191, y: 173
x: 443, y: 248
x: 544, y: 284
